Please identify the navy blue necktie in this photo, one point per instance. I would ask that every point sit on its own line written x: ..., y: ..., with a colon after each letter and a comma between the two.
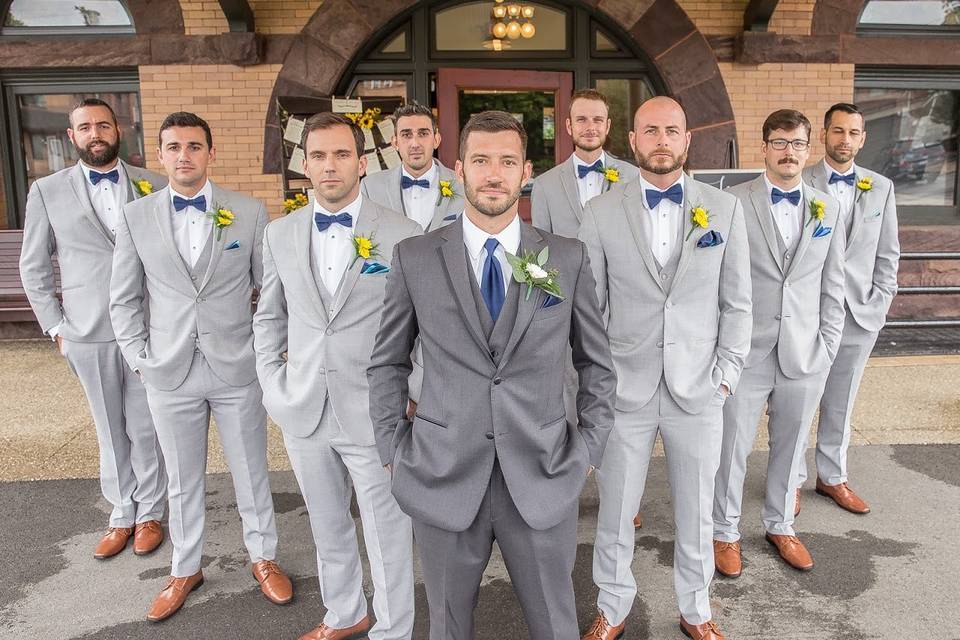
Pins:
x: 406, y: 182
x: 596, y: 167
x: 836, y: 177
x: 673, y: 194
x: 792, y: 196
x: 324, y: 221
x: 199, y: 203
x: 113, y: 176
x: 491, y: 282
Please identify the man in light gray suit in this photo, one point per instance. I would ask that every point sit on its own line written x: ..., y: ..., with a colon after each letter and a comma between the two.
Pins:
x: 871, y: 260
x: 558, y: 196
x: 187, y: 261
x: 672, y: 266
x: 323, y: 290
x: 73, y: 214
x: 489, y: 455
x: 797, y: 241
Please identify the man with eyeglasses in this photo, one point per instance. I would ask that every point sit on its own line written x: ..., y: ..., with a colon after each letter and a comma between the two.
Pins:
x: 796, y: 241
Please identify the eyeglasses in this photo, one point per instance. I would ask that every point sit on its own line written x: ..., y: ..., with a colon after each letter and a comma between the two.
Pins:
x: 780, y: 144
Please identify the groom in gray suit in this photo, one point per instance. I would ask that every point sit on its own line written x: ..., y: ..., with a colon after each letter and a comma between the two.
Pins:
x: 672, y: 266
x: 489, y: 455
x: 314, y: 328
x: 797, y: 241
x: 74, y: 214
x: 187, y: 261
x: 872, y: 257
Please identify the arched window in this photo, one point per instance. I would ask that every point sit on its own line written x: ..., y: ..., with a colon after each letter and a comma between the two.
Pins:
x: 59, y: 17
x: 903, y: 17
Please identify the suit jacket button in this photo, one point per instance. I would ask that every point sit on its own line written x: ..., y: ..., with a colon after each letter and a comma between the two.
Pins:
x: 660, y: 345
x: 489, y: 435
x: 497, y: 380
x: 329, y: 332
x: 193, y: 335
x: 776, y: 317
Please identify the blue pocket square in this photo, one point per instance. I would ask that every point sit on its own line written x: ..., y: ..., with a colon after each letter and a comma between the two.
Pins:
x: 709, y: 239
x: 452, y: 216
x: 550, y: 300
x: 822, y: 231
x: 233, y: 245
x: 877, y: 214
x: 374, y: 267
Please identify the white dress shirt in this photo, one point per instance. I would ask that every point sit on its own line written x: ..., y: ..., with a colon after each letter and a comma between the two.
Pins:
x: 191, y: 226
x: 106, y: 197
x: 590, y: 185
x: 788, y: 218
x: 419, y: 203
x: 841, y: 190
x: 474, y: 238
x: 332, y: 250
x: 662, y: 223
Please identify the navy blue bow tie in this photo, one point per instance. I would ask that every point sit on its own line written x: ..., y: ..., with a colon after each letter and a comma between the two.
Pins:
x: 113, y: 176
x: 406, y: 182
x: 793, y: 197
x: 324, y: 221
x: 836, y: 177
x: 199, y: 203
x: 596, y: 167
x: 673, y: 194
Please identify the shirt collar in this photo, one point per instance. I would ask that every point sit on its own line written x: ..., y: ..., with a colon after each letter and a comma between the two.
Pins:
x: 770, y: 187
x: 206, y: 192
x: 430, y: 176
x: 353, y: 208
x: 577, y: 162
x: 118, y: 167
x: 829, y: 170
x: 474, y: 237
x: 644, y: 185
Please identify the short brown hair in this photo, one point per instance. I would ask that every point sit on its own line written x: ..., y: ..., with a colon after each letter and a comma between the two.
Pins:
x: 492, y: 122
x: 844, y: 107
x: 589, y: 94
x: 414, y: 109
x: 92, y: 102
x: 327, y: 120
x: 787, y: 120
x: 185, y: 119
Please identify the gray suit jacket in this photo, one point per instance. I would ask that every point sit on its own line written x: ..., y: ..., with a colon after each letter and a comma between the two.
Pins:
x: 384, y: 189
x: 555, y: 199
x: 60, y: 220
x: 797, y: 304
x: 213, y: 314
x: 472, y: 409
x: 873, y: 247
x: 327, y: 351
x: 694, y: 331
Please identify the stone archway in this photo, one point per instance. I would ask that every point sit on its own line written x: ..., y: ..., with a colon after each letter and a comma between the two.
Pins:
x: 680, y: 54
x: 836, y: 17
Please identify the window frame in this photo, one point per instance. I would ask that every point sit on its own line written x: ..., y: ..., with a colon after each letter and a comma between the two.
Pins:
x: 904, y: 30
x: 50, y: 32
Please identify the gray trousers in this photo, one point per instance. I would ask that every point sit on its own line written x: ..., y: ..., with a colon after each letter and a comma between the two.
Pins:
x: 326, y: 463
x: 131, y: 467
x: 791, y: 404
x: 692, y: 447
x: 182, y: 417
x: 540, y: 564
x: 836, y: 405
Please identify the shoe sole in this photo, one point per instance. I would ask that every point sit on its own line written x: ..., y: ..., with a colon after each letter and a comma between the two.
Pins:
x: 792, y: 566
x: 169, y: 615
x: 107, y: 557
x: 827, y: 495
x: 146, y: 553
x: 727, y: 575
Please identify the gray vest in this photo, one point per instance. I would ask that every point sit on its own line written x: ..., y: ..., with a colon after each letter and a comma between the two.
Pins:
x: 669, y: 270
x: 788, y: 253
x: 325, y: 296
x: 198, y: 270
x: 497, y: 334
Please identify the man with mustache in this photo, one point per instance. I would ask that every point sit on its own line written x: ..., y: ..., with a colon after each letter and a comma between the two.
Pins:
x: 74, y: 215
x: 872, y: 258
x: 489, y: 455
x: 797, y: 241
x: 671, y: 263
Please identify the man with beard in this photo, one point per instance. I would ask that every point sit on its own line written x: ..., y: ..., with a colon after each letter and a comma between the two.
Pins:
x: 671, y: 263
x: 489, y: 455
x: 797, y: 241
x: 872, y: 258
x: 74, y: 214
x: 558, y: 196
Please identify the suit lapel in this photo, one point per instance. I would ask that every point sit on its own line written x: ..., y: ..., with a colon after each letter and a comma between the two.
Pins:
x: 688, y: 239
x: 303, y: 230
x: 219, y: 199
x: 454, y: 263
x: 633, y: 206
x: 530, y: 242
x: 859, y: 209
x: 163, y: 212
x: 806, y: 233
x: 133, y: 193
x: 569, y: 181
x: 441, y: 210
x: 394, y: 191
x: 761, y: 208
x: 78, y: 182
x: 367, y: 222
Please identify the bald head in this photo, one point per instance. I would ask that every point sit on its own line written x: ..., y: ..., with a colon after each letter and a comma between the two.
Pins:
x: 660, y: 110
x: 660, y: 139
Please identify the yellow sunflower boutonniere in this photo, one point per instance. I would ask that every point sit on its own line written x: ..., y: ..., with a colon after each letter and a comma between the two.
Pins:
x: 817, y: 210
x: 864, y: 184
x: 364, y: 248
x: 611, y: 174
x: 144, y: 188
x: 446, y: 191
x: 700, y: 218
x: 296, y: 202
x: 222, y: 218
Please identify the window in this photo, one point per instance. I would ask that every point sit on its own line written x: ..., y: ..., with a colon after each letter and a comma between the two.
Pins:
x: 917, y: 16
x: 625, y: 95
x: 50, y: 17
x: 469, y: 27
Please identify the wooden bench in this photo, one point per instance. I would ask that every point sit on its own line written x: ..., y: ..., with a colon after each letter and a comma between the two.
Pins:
x: 14, y: 306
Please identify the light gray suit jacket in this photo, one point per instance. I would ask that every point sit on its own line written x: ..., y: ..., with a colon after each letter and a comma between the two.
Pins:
x: 797, y: 304
x: 555, y: 199
x: 327, y: 352
x: 61, y: 220
x: 158, y: 335
x: 692, y: 330
x: 473, y: 409
x: 384, y: 189
x: 873, y: 246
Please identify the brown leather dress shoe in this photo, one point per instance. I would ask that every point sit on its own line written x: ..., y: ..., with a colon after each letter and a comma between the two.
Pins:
x: 147, y: 537
x: 637, y: 522
x: 172, y: 597
x: 601, y: 629
x: 792, y: 551
x: 796, y: 505
x: 726, y: 558
x: 274, y: 583
x: 113, y: 542
x: 323, y: 632
x: 844, y: 496
x: 706, y: 631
